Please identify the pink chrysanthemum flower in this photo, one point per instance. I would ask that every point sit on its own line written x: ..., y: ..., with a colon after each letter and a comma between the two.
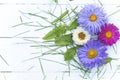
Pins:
x: 109, y: 34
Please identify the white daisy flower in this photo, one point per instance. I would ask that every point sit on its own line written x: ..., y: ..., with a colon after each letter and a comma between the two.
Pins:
x: 80, y: 36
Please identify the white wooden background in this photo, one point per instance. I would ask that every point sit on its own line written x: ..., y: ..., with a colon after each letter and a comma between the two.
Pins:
x: 14, y: 49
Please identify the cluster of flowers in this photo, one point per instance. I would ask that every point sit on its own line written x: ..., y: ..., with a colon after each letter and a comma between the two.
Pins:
x: 93, y: 22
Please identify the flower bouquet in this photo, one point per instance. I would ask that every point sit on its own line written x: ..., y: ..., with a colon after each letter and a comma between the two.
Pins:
x: 83, y: 38
x: 86, y: 38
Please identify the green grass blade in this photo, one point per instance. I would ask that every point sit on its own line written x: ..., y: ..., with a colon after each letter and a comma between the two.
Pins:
x: 25, y: 23
x: 4, y: 60
x: 21, y: 33
x: 42, y: 67
x: 37, y: 15
x: 100, y: 2
x: 69, y: 67
x: 114, y: 13
x: 60, y: 17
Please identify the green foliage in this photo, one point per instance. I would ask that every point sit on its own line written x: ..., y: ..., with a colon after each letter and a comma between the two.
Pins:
x: 64, y: 40
x: 70, y: 53
x: 55, y: 32
x: 73, y: 24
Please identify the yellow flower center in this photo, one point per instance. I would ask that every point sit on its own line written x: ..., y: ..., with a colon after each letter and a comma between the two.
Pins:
x: 92, y: 53
x: 81, y: 36
x: 93, y: 17
x: 108, y: 34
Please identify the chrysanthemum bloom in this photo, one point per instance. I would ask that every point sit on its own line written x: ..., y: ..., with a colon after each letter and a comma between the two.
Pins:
x: 92, y: 18
x: 80, y: 36
x: 92, y: 54
x: 109, y: 34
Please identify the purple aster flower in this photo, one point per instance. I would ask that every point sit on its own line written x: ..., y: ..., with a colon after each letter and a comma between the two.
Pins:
x: 92, y: 18
x: 109, y: 34
x: 92, y: 54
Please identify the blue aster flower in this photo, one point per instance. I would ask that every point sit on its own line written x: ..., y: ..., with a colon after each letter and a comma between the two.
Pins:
x: 92, y: 18
x: 92, y: 54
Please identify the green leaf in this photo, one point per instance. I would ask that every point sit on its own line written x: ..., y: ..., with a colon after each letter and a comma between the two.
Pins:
x: 73, y: 24
x: 64, y: 40
x: 56, y: 32
x: 56, y: 1
x: 70, y: 53
x: 108, y: 60
x: 60, y: 17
